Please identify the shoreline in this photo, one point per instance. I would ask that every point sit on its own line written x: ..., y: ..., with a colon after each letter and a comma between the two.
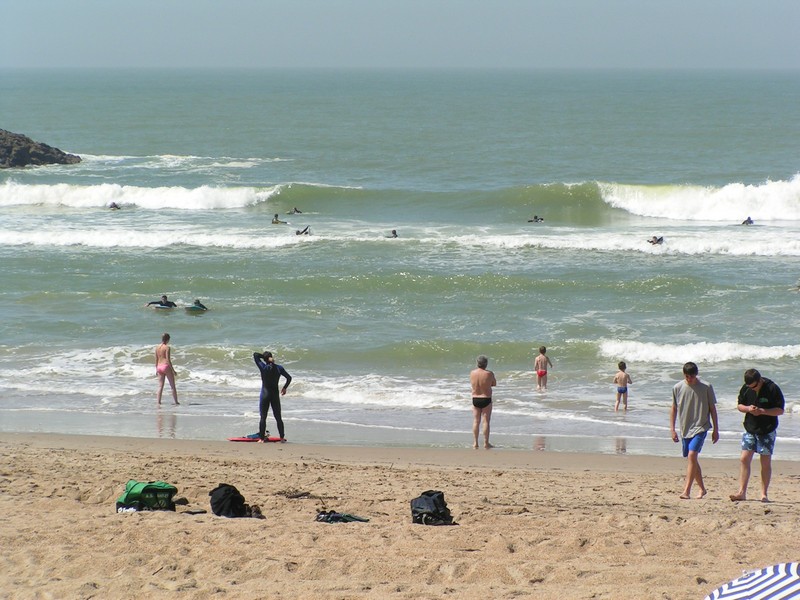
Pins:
x: 531, y: 524
x: 407, y: 456
x: 165, y: 424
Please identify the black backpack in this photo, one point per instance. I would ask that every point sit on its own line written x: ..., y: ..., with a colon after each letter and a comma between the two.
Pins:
x: 431, y: 509
x: 226, y: 501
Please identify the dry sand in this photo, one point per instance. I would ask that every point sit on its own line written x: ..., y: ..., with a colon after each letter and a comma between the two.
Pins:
x: 532, y: 524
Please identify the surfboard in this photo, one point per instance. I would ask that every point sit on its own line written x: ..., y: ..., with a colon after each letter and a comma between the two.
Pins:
x: 253, y: 437
x: 195, y: 309
x: 159, y: 307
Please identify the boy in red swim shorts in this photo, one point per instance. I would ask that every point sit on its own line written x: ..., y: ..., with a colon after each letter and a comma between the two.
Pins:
x: 540, y: 365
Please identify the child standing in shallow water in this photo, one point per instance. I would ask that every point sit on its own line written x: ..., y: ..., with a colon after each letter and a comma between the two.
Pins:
x: 621, y: 380
x: 540, y: 365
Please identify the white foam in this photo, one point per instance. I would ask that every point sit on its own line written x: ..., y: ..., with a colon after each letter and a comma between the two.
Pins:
x: 385, y: 391
x: 155, y: 238
x: 175, y: 163
x: 95, y: 196
x: 651, y: 352
x: 731, y: 203
x: 713, y: 239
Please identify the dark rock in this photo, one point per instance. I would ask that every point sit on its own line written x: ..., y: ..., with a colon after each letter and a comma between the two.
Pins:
x: 17, y: 150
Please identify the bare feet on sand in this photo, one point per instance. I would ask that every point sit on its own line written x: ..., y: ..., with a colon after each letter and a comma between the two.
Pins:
x: 700, y: 495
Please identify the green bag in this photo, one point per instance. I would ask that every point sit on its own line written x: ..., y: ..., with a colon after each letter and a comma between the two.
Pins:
x: 147, y: 495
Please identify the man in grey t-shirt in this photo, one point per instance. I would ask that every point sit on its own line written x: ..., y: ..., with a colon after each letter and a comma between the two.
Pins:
x: 694, y: 405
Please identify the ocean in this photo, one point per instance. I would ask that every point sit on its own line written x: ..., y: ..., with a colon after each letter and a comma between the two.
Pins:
x: 380, y: 333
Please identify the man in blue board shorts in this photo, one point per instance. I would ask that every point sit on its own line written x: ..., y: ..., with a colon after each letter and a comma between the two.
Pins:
x: 761, y: 401
x: 270, y: 397
x: 695, y: 405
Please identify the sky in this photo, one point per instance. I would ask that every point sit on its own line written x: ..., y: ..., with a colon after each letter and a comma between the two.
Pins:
x: 377, y: 34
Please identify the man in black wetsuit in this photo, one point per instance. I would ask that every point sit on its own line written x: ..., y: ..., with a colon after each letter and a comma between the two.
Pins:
x: 270, y: 377
x: 163, y: 302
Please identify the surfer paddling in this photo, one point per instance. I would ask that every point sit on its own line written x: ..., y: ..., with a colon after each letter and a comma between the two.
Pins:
x: 163, y: 303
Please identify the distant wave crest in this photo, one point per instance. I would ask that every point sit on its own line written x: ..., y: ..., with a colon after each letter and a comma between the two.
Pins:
x: 709, y: 353
x: 769, y: 201
x: 96, y: 196
x: 205, y: 197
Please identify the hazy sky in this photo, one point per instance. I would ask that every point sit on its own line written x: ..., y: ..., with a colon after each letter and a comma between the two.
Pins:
x: 402, y: 33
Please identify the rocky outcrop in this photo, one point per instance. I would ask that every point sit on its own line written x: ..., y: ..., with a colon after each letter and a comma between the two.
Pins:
x: 17, y: 150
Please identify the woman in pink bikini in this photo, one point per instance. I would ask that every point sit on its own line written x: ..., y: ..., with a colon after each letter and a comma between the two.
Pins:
x: 164, y: 368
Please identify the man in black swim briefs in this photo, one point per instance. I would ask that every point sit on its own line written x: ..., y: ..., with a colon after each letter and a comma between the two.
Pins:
x: 481, y: 402
x: 482, y: 381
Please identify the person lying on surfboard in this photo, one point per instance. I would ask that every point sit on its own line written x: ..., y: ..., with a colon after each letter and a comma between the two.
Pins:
x: 164, y: 302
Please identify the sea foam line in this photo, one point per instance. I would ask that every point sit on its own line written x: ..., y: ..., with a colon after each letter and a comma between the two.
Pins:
x: 95, y: 196
x: 649, y: 352
x: 731, y: 203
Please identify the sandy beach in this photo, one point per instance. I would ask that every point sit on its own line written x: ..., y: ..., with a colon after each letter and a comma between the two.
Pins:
x: 531, y: 524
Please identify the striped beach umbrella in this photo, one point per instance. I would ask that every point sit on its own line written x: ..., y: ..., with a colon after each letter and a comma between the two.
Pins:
x: 778, y: 582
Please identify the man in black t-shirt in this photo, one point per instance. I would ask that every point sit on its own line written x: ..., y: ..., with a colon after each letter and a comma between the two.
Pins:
x: 761, y: 401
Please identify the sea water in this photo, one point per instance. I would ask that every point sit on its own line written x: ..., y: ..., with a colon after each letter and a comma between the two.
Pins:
x: 380, y: 333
